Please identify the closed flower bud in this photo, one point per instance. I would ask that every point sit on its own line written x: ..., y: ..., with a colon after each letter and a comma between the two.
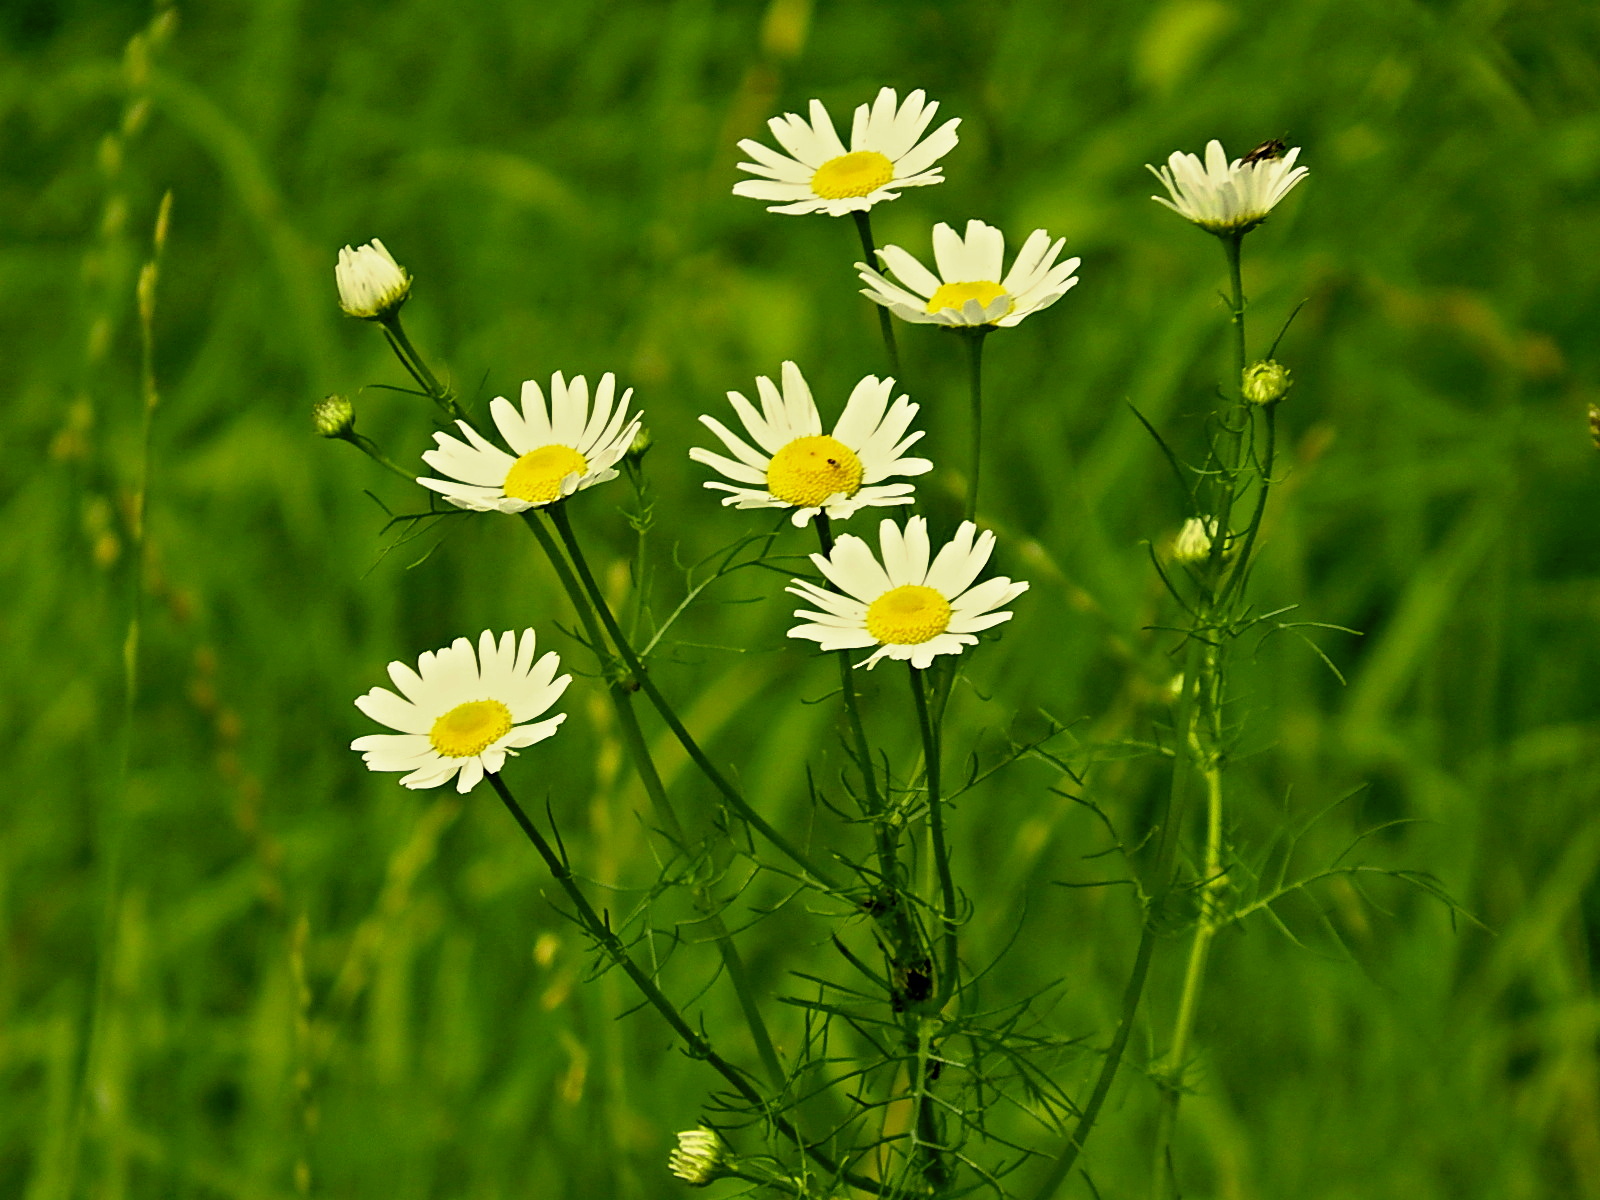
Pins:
x: 698, y: 1158
x: 334, y: 416
x: 642, y: 441
x: 1266, y: 382
x: 1594, y: 424
x: 1192, y: 544
x: 372, y: 285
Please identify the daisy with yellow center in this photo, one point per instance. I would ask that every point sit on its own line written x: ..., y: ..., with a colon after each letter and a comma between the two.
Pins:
x: 1225, y: 197
x: 907, y: 607
x: 969, y: 289
x: 462, y: 712
x: 554, y: 452
x: 887, y: 152
x: 793, y: 464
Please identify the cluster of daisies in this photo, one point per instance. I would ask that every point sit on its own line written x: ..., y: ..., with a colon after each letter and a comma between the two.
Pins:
x: 463, y: 710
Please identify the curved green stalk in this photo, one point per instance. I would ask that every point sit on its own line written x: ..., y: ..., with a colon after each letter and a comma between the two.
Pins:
x: 699, y: 1047
x: 639, y: 752
x: 1169, y: 822
x: 885, y: 321
x: 418, y: 366
x: 636, y: 669
x: 1205, y: 756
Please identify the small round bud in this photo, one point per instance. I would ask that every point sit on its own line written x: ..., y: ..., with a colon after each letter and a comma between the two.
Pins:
x: 372, y: 285
x: 334, y: 416
x: 642, y: 441
x: 1265, y: 382
x: 1192, y: 543
x: 698, y: 1158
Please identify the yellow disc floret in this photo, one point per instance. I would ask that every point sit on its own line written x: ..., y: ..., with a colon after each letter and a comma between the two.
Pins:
x: 470, y: 728
x: 536, y: 476
x: 810, y: 469
x: 908, y: 615
x: 859, y: 173
x: 956, y: 295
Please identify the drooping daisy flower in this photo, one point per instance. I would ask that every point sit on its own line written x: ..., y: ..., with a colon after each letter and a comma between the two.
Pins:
x: 371, y: 284
x: 969, y: 289
x: 905, y: 607
x: 1225, y: 197
x: 461, y: 713
x: 820, y: 175
x: 554, y: 452
x: 795, y: 465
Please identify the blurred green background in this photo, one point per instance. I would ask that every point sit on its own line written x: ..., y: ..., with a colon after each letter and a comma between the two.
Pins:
x: 245, y: 952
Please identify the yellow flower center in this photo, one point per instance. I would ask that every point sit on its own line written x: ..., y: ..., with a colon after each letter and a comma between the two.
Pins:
x: 955, y: 295
x: 908, y: 615
x: 859, y: 173
x: 536, y: 476
x: 810, y: 469
x: 470, y: 728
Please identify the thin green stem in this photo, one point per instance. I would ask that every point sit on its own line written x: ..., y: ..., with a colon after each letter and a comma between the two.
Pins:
x: 600, y: 930
x: 644, y: 765
x: 1204, y: 755
x: 418, y: 366
x: 1233, y: 247
x: 639, y: 675
x: 885, y: 321
x: 931, y: 754
x: 901, y: 932
x: 1169, y: 821
x: 370, y: 448
x: 1235, y: 583
x: 847, y: 687
x: 974, y: 340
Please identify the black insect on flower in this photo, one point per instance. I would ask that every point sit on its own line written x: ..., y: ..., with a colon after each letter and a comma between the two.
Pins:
x: 1269, y: 149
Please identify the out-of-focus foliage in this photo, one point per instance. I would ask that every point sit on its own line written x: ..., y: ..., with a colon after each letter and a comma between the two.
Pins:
x: 242, y: 952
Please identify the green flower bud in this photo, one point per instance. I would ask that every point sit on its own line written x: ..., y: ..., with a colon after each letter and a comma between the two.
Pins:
x: 698, y: 1158
x: 1192, y: 543
x: 334, y: 416
x: 1265, y: 382
x: 642, y: 441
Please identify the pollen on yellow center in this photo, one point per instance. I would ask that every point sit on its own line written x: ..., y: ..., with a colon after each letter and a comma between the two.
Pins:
x: 859, y: 173
x: 810, y: 469
x: 470, y: 728
x: 956, y: 295
x: 536, y: 476
x: 908, y: 615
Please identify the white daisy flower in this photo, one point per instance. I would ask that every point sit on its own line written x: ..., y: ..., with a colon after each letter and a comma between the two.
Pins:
x: 371, y: 284
x: 820, y: 175
x: 969, y: 289
x: 905, y: 607
x: 554, y: 452
x: 460, y: 714
x: 1225, y: 197
x: 795, y: 465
